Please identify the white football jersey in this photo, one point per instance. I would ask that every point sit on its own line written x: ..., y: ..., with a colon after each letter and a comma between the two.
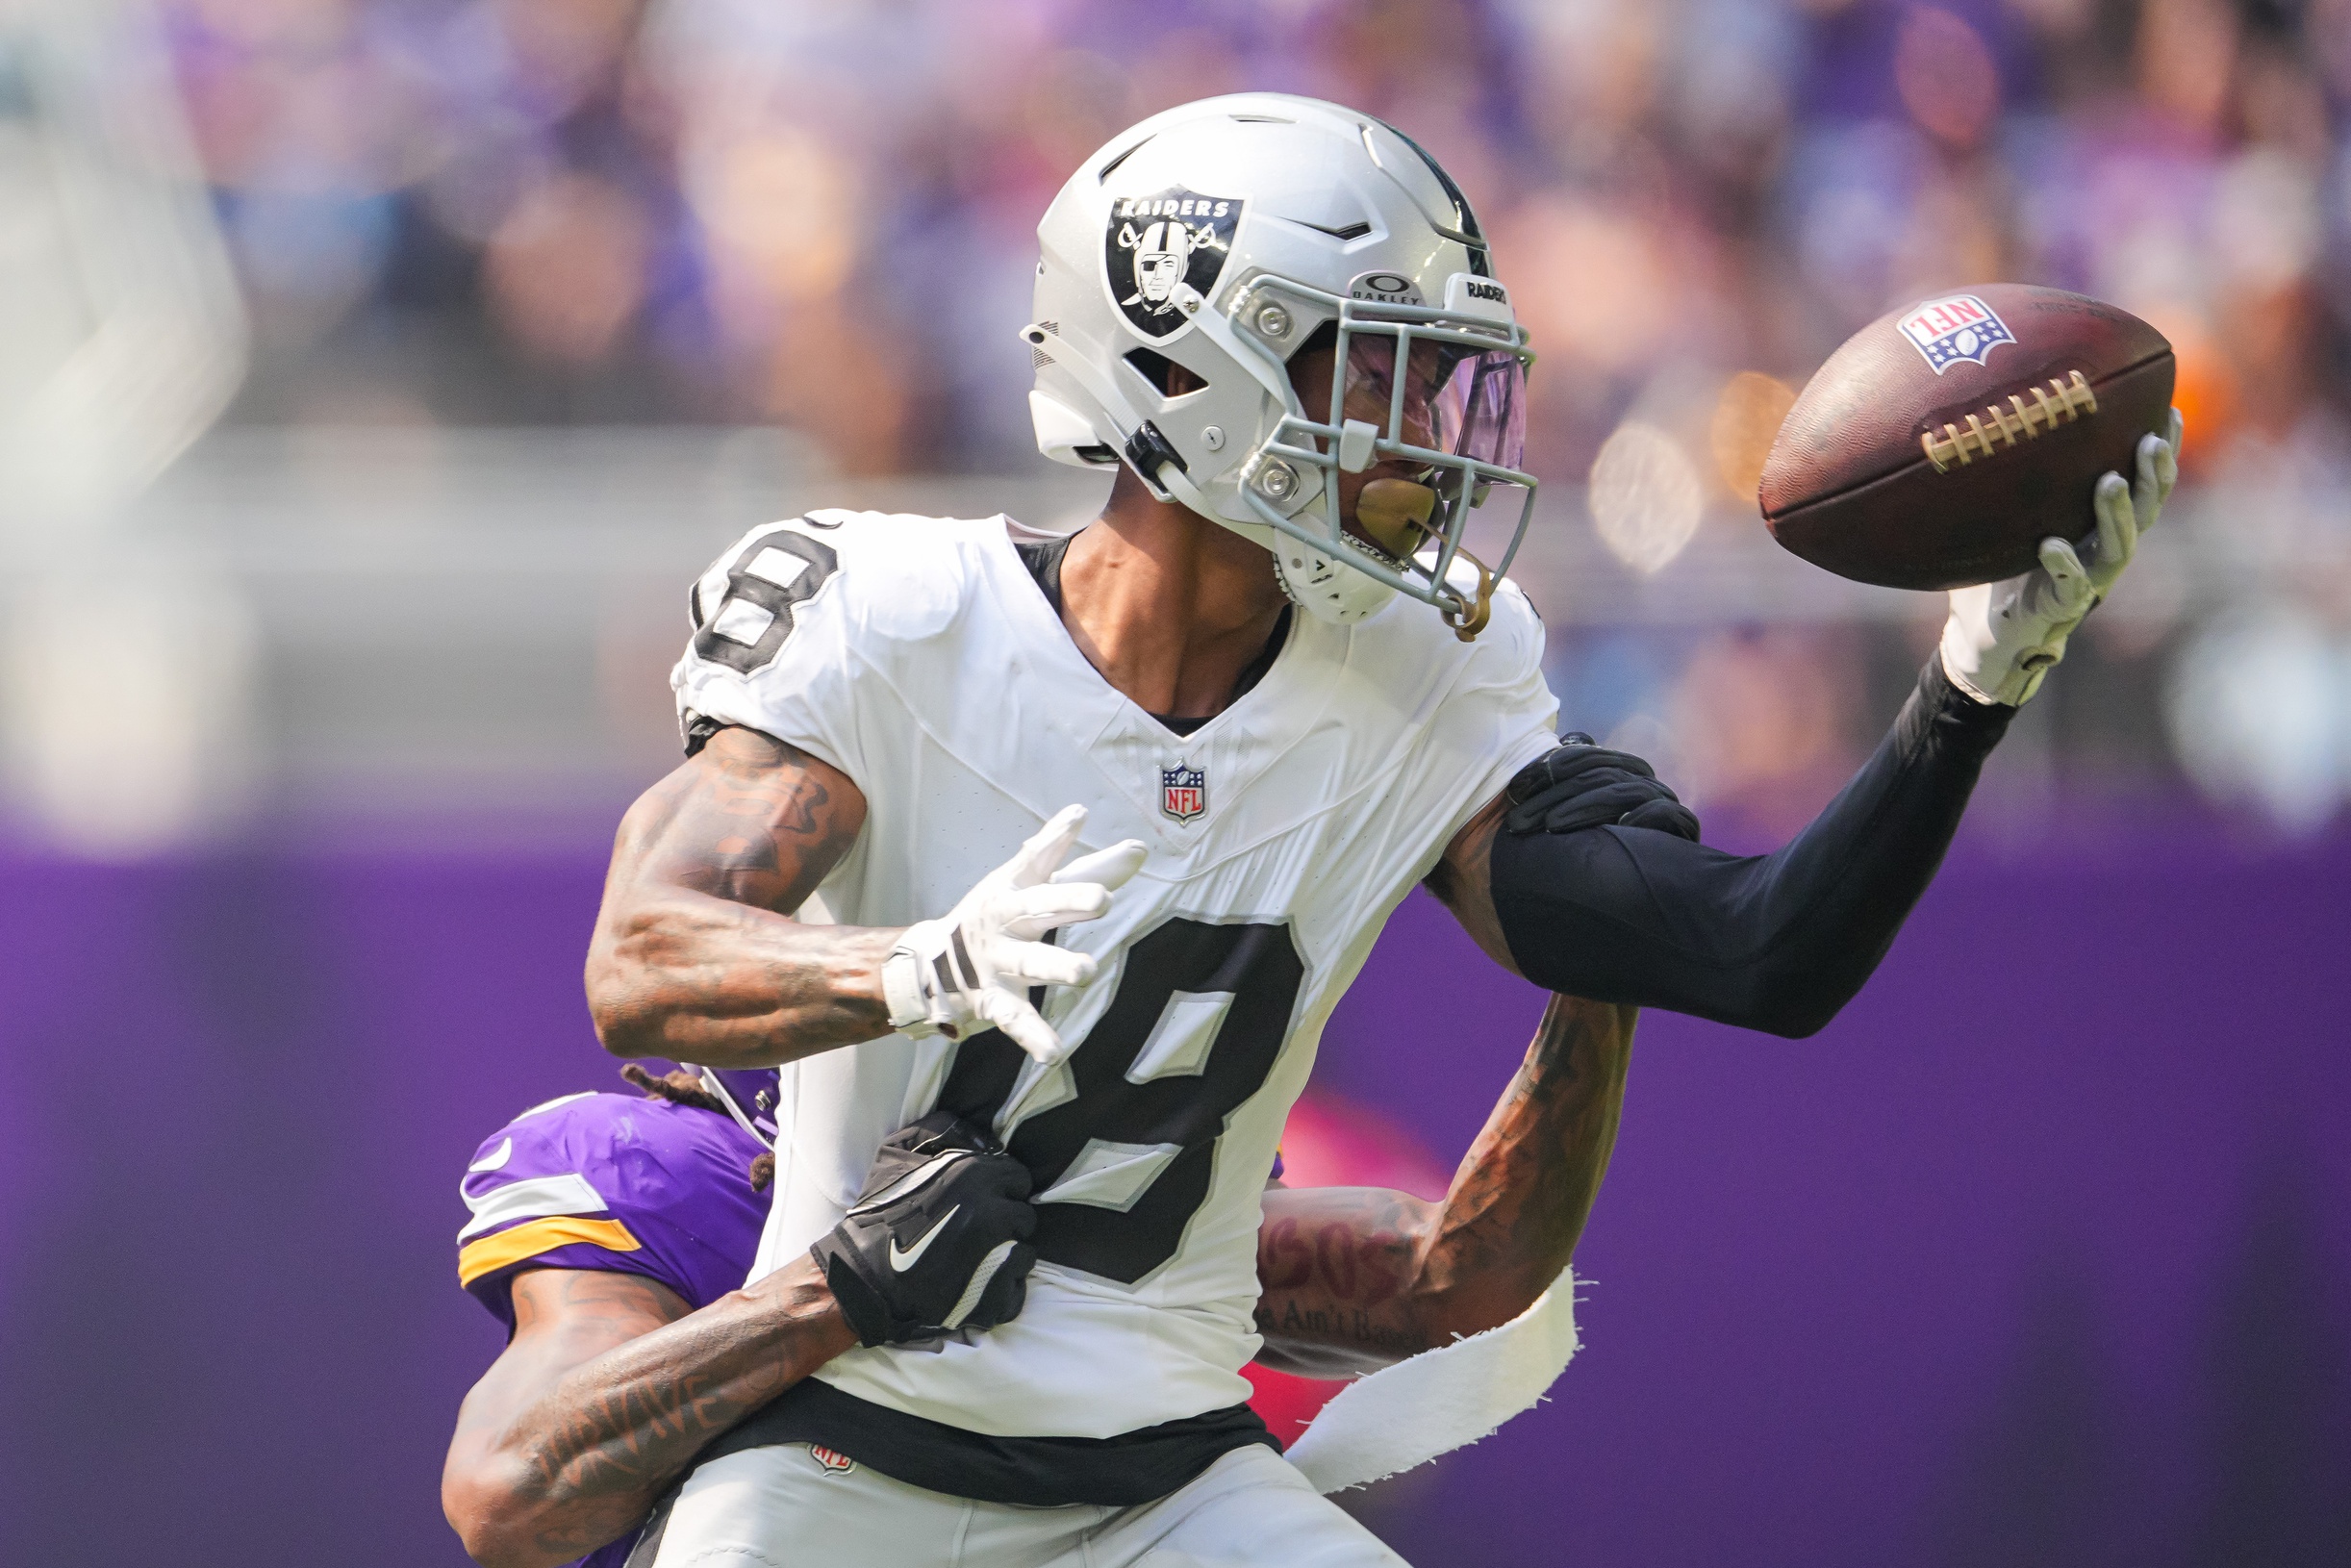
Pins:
x: 919, y: 656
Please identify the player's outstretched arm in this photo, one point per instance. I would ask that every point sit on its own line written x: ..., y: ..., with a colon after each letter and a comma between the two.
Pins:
x: 1781, y: 942
x: 1357, y: 1277
x: 1777, y: 943
x: 695, y: 956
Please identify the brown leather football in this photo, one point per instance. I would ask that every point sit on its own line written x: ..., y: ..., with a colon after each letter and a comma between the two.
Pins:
x: 1943, y: 442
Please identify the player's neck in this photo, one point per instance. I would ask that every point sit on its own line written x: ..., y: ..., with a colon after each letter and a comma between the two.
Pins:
x: 1168, y: 605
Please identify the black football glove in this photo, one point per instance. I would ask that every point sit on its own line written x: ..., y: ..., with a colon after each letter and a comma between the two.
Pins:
x: 1581, y: 785
x: 938, y: 1240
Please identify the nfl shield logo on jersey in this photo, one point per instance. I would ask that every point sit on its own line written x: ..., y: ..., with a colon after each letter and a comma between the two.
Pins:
x: 1183, y: 792
x: 1957, y: 327
x: 832, y: 1461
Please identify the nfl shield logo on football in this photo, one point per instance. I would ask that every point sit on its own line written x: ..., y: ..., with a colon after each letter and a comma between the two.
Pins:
x: 832, y: 1461
x: 1183, y: 792
x: 1957, y: 327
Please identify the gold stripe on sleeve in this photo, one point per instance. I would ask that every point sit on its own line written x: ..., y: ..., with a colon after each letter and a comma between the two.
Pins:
x: 491, y: 1254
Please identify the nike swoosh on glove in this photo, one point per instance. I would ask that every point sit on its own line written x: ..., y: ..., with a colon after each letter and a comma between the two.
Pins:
x: 939, y: 1239
x: 971, y: 969
x: 1580, y: 785
x: 2002, y: 638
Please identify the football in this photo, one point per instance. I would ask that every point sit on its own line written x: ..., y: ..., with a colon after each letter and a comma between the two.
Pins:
x: 1942, y: 443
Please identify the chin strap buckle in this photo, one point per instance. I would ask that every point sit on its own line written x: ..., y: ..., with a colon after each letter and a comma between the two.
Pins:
x: 1148, y: 451
x: 1465, y: 618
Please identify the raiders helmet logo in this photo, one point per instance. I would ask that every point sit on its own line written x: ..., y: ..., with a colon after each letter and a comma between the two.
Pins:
x: 1157, y: 242
x: 1183, y: 792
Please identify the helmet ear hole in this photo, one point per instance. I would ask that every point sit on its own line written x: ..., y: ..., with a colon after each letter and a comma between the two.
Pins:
x: 1169, y: 379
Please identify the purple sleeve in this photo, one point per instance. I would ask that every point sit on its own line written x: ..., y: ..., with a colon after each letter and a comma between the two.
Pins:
x: 612, y: 1183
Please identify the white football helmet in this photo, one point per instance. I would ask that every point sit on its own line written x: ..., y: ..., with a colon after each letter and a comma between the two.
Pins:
x: 1189, y: 261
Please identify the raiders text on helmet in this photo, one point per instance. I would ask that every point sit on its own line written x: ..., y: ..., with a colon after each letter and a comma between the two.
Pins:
x: 1192, y: 257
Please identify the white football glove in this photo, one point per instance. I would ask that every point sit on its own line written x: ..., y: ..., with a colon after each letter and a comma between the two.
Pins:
x: 971, y: 969
x: 2001, y: 638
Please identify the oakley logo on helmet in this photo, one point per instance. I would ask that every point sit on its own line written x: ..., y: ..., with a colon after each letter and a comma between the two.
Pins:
x: 1388, y: 287
x: 1157, y: 242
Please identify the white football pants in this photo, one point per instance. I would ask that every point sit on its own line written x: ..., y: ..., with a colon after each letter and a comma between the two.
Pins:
x: 779, y: 1508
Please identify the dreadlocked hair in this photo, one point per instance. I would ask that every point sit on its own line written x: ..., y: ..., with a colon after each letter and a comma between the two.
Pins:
x: 680, y: 1087
x: 677, y: 1086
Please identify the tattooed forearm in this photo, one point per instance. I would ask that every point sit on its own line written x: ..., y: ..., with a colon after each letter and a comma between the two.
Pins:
x: 1336, y: 1264
x: 1519, y: 1202
x: 1335, y: 1342
x: 608, y: 1438
x: 1356, y: 1278
x: 561, y: 1455
x: 695, y: 955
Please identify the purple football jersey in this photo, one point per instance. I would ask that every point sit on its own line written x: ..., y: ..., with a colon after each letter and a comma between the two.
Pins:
x: 613, y: 1182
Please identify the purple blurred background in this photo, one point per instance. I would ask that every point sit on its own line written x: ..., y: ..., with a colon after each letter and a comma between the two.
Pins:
x: 2037, y: 1254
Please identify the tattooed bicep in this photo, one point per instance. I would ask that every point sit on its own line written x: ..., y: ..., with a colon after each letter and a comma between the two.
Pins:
x: 750, y: 819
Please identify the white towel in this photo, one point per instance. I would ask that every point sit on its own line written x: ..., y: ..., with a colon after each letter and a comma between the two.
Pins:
x: 1441, y: 1399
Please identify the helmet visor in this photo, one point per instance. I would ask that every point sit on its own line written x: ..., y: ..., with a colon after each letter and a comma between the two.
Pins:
x: 1482, y: 409
x: 1468, y: 402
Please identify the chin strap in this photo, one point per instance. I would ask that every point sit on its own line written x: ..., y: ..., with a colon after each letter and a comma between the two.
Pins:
x: 1470, y: 620
x: 1395, y: 514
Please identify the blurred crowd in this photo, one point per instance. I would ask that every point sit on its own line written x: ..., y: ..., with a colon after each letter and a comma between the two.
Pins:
x: 822, y: 216
x: 493, y: 210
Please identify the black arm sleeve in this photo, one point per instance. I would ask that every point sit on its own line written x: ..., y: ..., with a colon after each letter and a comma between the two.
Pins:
x: 1776, y: 941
